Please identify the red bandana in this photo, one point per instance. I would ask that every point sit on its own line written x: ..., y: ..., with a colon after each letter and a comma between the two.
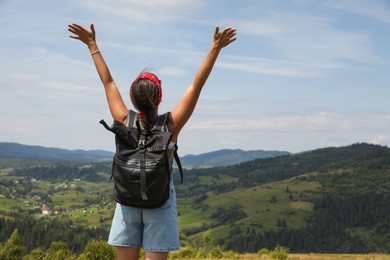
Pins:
x: 154, y: 79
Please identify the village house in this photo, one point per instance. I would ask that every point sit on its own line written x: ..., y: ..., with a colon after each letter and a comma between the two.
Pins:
x: 46, y: 210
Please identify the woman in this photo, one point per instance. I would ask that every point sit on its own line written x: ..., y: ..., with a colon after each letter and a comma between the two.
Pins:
x: 154, y: 229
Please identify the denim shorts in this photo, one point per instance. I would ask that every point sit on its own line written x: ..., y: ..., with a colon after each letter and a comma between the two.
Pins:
x: 156, y: 230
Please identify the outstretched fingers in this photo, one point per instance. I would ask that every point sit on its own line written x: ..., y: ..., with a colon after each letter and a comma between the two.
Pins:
x: 92, y: 28
x: 228, y: 36
x: 229, y: 32
x: 81, y: 33
x: 75, y: 29
x: 216, y: 30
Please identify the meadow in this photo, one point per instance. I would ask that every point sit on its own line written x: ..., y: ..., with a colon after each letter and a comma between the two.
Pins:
x: 330, y: 200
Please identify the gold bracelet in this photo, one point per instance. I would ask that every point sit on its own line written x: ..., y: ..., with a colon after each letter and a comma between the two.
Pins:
x: 92, y: 53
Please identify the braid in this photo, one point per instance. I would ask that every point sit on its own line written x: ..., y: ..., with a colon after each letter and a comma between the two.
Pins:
x: 144, y: 95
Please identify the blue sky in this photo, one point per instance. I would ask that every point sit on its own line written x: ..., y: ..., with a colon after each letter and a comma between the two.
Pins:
x: 302, y: 75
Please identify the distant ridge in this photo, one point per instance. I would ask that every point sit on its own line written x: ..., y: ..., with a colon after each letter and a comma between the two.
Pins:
x: 10, y: 150
x: 226, y: 157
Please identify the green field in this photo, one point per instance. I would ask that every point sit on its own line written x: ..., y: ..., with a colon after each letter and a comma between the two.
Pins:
x: 90, y: 204
x: 329, y: 200
x: 292, y: 204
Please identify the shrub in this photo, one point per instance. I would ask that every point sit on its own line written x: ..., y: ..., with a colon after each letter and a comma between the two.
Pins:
x: 216, y: 253
x: 186, y: 253
x: 200, y: 253
x: 35, y: 254
x: 59, y: 250
x: 279, y: 253
x: 97, y: 250
x: 231, y: 255
x: 263, y: 251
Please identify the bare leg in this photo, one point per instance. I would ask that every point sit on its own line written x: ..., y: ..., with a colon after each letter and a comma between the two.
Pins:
x: 156, y: 255
x: 127, y: 253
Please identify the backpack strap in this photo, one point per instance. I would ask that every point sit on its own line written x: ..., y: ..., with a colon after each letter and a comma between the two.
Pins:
x: 160, y: 125
x: 132, y: 118
x: 177, y: 159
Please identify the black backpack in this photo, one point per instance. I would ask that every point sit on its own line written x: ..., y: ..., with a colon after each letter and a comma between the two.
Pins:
x: 142, y: 163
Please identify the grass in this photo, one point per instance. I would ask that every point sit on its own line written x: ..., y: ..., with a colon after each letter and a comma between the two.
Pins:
x: 310, y: 256
x: 262, y: 214
x: 5, y: 171
x: 205, y: 180
x: 85, y: 203
x: 338, y: 257
x: 189, y: 218
x: 69, y: 200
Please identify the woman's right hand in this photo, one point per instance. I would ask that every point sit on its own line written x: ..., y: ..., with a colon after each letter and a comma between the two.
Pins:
x: 117, y: 106
x: 183, y: 111
x: 80, y: 33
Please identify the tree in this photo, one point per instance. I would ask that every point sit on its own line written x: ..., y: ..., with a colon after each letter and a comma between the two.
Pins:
x: 207, y: 242
x: 13, y: 248
x: 97, y: 250
x: 279, y: 252
x: 59, y: 250
x: 36, y: 254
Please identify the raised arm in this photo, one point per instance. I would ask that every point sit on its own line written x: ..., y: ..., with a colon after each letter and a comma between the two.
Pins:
x: 183, y: 111
x: 117, y: 106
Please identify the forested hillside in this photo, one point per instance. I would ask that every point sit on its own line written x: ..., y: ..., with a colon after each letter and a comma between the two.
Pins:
x: 340, y: 194
x: 332, y: 200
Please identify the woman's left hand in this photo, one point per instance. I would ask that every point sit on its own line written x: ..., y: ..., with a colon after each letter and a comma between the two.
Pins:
x: 224, y: 38
x: 86, y: 36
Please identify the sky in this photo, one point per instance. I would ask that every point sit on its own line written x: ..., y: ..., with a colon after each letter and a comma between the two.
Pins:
x: 302, y: 74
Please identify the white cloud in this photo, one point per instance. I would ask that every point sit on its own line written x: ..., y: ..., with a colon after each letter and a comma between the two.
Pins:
x: 275, y: 67
x: 381, y: 139
x: 150, y: 11
x: 300, y: 45
x: 262, y: 27
x: 173, y: 71
x: 295, y: 133
x: 322, y: 121
x: 377, y: 9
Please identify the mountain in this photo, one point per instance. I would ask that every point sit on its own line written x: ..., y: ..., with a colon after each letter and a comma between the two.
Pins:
x: 206, y: 160
x: 226, y: 157
x: 31, y: 152
x: 329, y: 200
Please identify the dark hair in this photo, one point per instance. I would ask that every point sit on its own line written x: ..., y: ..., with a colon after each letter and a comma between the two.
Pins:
x: 144, y: 95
